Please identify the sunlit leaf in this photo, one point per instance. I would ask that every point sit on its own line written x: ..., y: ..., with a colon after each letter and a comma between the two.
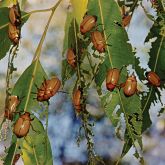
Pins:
x: 77, y: 11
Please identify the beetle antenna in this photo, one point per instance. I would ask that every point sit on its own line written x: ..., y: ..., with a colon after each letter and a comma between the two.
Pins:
x: 108, y: 45
x: 36, y: 85
x: 117, y: 23
x: 108, y: 37
x: 33, y: 93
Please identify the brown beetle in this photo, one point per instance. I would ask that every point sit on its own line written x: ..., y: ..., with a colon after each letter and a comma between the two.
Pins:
x: 98, y: 41
x: 77, y: 100
x: 71, y: 58
x: 130, y: 86
x: 15, y: 15
x: 126, y: 18
x: 112, y: 78
x: 153, y: 79
x: 12, y: 104
x: 22, y: 125
x: 14, y: 34
x: 88, y: 23
x: 48, y: 89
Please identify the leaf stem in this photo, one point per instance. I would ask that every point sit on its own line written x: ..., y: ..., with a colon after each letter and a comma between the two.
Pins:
x: 30, y: 13
x: 38, y: 53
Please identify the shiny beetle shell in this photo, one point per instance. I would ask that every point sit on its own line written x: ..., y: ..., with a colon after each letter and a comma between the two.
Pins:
x: 88, y: 23
x: 15, y: 15
x: 48, y: 89
x: 71, y: 58
x: 126, y: 20
x: 112, y: 78
x: 14, y: 34
x: 22, y: 125
x: 12, y: 104
x: 153, y: 79
x: 130, y: 87
x: 98, y: 41
x: 77, y: 100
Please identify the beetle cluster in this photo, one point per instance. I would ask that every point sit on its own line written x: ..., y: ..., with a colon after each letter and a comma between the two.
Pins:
x: 21, y: 127
x: 130, y: 86
x: 14, y: 24
x: 97, y: 38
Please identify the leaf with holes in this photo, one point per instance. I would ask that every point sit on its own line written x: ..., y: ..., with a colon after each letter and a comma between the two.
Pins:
x: 156, y: 64
x: 117, y: 55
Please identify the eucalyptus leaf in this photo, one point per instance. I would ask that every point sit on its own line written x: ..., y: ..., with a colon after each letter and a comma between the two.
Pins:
x: 5, y: 42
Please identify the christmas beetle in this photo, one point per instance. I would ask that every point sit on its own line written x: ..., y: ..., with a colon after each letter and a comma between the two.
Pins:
x: 14, y: 34
x: 126, y: 20
x: 48, y: 89
x: 88, y: 23
x: 98, y: 41
x: 130, y: 86
x: 12, y: 104
x: 22, y: 125
x: 71, y: 58
x: 15, y: 15
x: 112, y: 78
x: 153, y: 79
x: 77, y: 100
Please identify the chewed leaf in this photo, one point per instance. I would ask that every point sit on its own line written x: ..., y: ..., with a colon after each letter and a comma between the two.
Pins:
x: 117, y: 55
x: 156, y: 64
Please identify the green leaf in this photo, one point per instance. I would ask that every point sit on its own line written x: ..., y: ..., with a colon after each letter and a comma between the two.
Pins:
x: 33, y: 150
x: 156, y: 64
x: 120, y: 53
x: 36, y: 150
x: 11, y: 152
x: 117, y: 55
x: 5, y: 42
x: 21, y: 87
x: 67, y: 71
x: 78, y: 9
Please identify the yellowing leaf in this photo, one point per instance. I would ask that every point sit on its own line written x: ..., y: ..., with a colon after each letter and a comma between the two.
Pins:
x: 79, y: 9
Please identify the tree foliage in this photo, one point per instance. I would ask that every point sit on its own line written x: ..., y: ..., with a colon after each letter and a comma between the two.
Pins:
x: 90, y: 71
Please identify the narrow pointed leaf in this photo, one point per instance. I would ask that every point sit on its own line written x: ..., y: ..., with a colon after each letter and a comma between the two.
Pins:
x: 117, y: 55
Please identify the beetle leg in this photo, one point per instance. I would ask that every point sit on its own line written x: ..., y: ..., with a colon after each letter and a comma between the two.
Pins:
x: 124, y: 66
x: 34, y: 129
x: 108, y: 45
x: 117, y: 23
x: 48, y: 102
x: 36, y: 86
x: 121, y: 85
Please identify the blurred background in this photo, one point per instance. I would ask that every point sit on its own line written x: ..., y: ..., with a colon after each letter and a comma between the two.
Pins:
x: 63, y: 124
